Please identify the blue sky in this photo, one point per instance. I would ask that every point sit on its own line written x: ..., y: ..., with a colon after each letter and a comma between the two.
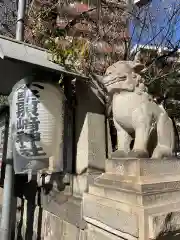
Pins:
x: 162, y: 26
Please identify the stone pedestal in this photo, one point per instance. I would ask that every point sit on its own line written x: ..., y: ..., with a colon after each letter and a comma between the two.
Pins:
x: 134, y: 199
x: 90, y: 130
x: 90, y: 135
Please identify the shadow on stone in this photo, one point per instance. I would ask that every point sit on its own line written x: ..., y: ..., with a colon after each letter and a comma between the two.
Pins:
x: 169, y: 231
x: 31, y: 205
x: 40, y: 213
x: 20, y: 223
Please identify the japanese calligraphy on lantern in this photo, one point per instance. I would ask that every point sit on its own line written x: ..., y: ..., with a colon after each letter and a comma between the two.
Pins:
x: 37, y: 122
x: 27, y: 125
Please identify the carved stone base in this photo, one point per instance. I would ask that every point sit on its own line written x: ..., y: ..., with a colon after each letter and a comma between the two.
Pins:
x: 135, y: 199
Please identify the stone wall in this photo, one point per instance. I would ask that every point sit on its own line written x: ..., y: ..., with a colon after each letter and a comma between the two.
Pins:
x: 47, y: 226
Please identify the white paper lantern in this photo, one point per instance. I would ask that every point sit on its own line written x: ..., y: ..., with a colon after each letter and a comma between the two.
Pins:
x: 37, y: 117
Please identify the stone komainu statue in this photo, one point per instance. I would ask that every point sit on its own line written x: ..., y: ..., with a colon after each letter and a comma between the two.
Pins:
x: 135, y: 114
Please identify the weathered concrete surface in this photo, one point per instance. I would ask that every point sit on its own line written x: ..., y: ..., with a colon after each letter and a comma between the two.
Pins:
x: 69, y: 211
x: 164, y: 223
x: 90, y: 130
x: 90, y: 136
x: 48, y: 226
x: 136, y: 197
x: 116, y: 215
x: 81, y: 182
x: 95, y: 233
x: 142, y: 167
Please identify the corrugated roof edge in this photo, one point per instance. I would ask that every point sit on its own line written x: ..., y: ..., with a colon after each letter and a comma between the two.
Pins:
x: 13, y: 49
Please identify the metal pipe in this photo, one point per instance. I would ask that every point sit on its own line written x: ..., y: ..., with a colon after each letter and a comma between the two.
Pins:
x: 5, y: 227
x: 9, y: 201
x: 5, y: 220
x: 20, y: 20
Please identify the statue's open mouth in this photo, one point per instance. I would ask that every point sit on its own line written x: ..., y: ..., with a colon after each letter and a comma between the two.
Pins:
x: 116, y: 80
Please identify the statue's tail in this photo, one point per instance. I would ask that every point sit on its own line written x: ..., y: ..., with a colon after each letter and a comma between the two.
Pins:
x: 166, y: 137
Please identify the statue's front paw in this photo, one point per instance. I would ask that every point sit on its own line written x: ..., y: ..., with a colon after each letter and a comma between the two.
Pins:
x: 138, y: 154
x: 162, y: 152
x: 119, y: 154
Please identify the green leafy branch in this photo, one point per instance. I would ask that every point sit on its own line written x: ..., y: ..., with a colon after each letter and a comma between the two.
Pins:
x: 70, y: 52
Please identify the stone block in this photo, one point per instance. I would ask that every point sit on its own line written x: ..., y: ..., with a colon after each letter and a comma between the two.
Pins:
x: 95, y: 233
x: 69, y: 211
x: 70, y: 232
x: 81, y: 182
x: 142, y: 186
x: 143, y: 167
x: 43, y: 225
x: 114, y: 214
x: 56, y: 221
x: 122, y: 166
x: 25, y: 213
x: 36, y: 220
x: 148, y: 223
x: 132, y: 197
x: 112, y: 194
x: 90, y: 130
x: 83, y: 234
x: 164, y: 224
x: 53, y: 227
x: 136, y: 197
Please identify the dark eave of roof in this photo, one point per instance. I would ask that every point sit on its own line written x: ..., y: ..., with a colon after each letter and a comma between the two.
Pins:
x: 23, y: 52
